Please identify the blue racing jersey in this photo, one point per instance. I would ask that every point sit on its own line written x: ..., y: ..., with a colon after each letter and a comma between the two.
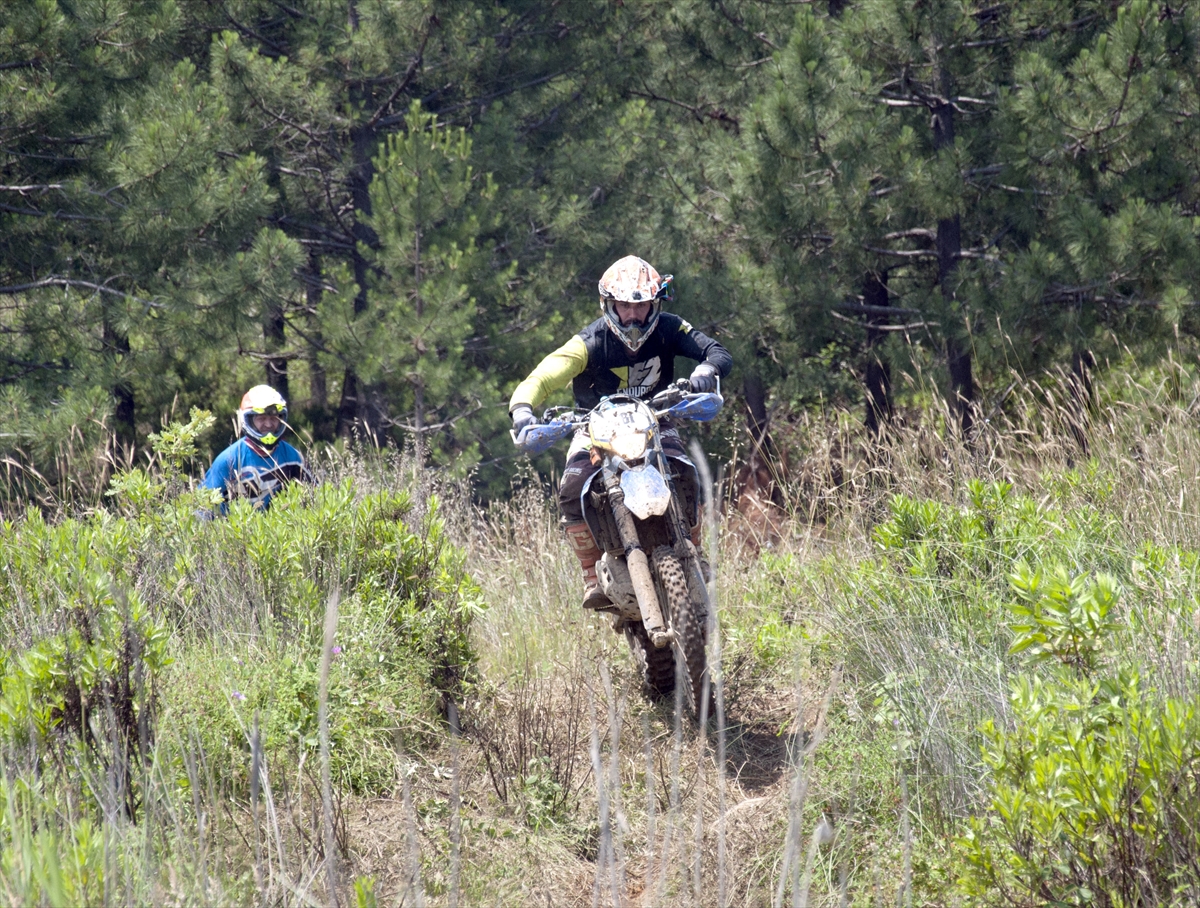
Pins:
x: 246, y: 470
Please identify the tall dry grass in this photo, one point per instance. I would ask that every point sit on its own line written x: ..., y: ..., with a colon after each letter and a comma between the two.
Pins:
x: 837, y: 767
x: 800, y: 800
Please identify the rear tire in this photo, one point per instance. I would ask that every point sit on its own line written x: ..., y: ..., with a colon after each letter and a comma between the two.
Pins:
x: 688, y: 619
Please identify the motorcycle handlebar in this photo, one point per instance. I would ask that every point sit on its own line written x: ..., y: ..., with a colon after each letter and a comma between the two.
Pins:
x: 675, y: 401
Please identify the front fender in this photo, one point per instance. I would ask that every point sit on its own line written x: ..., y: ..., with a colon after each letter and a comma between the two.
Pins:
x: 646, y: 492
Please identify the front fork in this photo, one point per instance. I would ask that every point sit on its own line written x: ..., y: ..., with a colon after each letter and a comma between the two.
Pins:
x: 635, y: 558
x: 685, y: 549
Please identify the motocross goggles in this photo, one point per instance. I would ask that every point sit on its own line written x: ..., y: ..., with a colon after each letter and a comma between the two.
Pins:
x: 270, y: 439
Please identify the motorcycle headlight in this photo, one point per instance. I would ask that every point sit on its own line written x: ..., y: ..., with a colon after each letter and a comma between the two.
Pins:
x: 629, y: 445
x: 621, y: 426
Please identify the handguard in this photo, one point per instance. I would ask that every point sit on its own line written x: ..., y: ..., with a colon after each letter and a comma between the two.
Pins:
x: 698, y: 407
x: 539, y: 437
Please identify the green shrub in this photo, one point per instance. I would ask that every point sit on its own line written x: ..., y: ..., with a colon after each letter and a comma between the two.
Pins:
x: 922, y: 626
x: 1061, y: 618
x: 93, y: 684
x: 1093, y: 794
x: 767, y: 630
x: 96, y: 608
x: 981, y: 539
x: 379, y: 697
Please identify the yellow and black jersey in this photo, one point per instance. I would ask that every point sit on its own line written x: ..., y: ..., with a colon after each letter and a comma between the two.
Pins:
x: 596, y: 364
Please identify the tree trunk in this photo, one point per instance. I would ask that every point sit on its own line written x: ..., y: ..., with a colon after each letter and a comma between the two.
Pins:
x: 878, y: 379
x: 949, y: 250
x: 419, y: 307
x: 761, y: 463
x: 958, y: 363
x: 116, y: 346
x: 318, y: 387
x: 756, y: 406
x: 347, y: 415
x: 273, y: 339
x: 356, y: 408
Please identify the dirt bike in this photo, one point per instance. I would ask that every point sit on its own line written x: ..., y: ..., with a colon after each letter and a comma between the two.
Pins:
x: 640, y: 506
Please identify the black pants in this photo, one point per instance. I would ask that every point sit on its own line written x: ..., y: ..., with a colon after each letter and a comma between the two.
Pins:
x: 579, y: 468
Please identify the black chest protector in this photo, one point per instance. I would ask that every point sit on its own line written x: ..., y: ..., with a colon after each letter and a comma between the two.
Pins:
x: 612, y: 368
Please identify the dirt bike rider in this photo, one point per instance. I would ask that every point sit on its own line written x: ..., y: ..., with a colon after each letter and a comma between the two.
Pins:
x: 258, y: 464
x: 631, y: 348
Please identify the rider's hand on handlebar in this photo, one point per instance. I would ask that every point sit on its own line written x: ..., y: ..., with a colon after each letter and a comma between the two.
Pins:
x: 670, y: 395
x: 703, y: 378
x: 522, y: 416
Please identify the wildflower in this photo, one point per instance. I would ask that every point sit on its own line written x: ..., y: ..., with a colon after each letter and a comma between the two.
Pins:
x: 238, y: 695
x: 336, y: 650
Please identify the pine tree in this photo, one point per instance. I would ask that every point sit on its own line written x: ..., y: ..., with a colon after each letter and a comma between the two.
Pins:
x: 1101, y: 166
x: 312, y: 90
x: 63, y: 75
x: 897, y: 145
x: 390, y: 210
x: 135, y: 251
x: 430, y: 211
x: 191, y: 229
x: 320, y: 91
x: 812, y: 148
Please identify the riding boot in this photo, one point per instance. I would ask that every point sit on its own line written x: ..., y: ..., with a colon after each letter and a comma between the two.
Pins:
x: 588, y: 553
x: 705, y: 567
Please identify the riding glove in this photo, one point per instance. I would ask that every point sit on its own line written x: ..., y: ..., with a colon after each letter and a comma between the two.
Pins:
x: 703, y: 378
x: 522, y: 416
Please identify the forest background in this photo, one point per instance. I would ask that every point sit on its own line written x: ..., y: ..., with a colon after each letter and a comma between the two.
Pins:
x: 391, y: 210
x: 953, y: 249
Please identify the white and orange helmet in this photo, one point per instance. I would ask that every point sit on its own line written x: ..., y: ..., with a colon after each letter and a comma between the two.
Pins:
x: 258, y: 400
x: 633, y: 280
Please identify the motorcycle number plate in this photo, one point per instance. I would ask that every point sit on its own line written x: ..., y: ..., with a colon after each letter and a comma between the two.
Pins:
x: 646, y: 492
x: 622, y: 426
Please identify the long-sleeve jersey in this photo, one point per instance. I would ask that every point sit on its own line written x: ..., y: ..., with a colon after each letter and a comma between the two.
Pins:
x: 244, y: 470
x: 596, y: 364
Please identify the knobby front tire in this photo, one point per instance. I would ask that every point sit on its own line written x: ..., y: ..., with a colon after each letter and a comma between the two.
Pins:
x: 687, y: 619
